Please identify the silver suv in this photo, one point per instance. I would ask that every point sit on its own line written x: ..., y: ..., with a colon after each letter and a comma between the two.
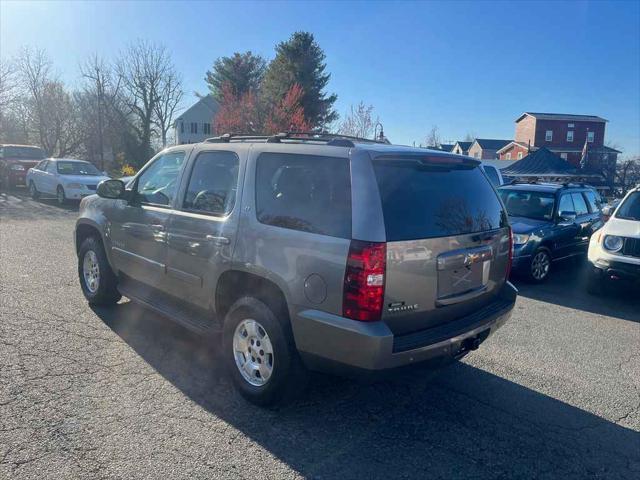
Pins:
x: 305, y: 252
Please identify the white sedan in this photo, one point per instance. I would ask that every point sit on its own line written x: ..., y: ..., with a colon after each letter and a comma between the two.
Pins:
x: 66, y: 179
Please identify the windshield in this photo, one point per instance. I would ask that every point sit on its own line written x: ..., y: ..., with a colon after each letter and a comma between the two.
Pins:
x: 630, y: 208
x: 26, y: 153
x: 77, y: 168
x: 536, y: 205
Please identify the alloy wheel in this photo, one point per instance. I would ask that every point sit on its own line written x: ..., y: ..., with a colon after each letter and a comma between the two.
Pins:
x: 253, y: 352
x: 60, y: 196
x: 540, y: 265
x: 91, y: 271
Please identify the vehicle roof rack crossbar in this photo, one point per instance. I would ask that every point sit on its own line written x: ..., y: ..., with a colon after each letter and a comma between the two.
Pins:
x: 334, y: 139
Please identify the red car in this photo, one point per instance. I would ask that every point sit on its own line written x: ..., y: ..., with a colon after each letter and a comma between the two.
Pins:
x: 15, y: 160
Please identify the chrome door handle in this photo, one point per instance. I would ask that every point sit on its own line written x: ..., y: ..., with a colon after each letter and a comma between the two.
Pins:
x: 158, y: 227
x: 218, y: 240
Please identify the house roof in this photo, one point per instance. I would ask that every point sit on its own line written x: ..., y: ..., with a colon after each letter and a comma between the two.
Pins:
x: 445, y: 147
x: 561, y: 116
x: 512, y: 144
x: 491, y: 144
x: 463, y: 145
x: 207, y: 101
x: 541, y: 162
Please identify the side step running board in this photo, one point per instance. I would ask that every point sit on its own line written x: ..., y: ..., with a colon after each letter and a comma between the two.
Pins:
x: 190, y: 318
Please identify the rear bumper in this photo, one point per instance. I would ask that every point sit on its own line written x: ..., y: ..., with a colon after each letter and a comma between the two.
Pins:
x: 17, y: 177
x: 339, y: 345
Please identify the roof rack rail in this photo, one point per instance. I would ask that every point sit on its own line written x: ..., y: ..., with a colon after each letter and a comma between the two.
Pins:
x: 334, y: 139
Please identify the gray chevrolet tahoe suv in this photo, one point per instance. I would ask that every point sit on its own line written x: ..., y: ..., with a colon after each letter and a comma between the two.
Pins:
x: 315, y: 251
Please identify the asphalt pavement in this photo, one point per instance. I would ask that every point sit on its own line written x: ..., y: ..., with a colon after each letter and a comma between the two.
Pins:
x: 124, y: 393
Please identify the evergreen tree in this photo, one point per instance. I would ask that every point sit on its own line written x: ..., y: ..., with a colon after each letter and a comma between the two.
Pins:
x: 242, y: 72
x: 300, y: 60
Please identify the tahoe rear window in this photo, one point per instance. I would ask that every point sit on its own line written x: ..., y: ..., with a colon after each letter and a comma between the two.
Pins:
x: 421, y: 200
x: 304, y: 192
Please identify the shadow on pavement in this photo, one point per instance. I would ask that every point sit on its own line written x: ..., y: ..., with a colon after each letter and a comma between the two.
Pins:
x: 460, y: 422
x: 567, y: 287
x: 16, y: 204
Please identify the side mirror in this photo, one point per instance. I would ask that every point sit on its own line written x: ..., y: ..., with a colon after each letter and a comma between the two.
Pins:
x: 111, y: 188
x: 567, y: 217
x: 607, y: 210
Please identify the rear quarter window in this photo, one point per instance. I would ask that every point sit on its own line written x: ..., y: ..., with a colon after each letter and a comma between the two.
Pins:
x: 309, y: 193
x: 433, y: 200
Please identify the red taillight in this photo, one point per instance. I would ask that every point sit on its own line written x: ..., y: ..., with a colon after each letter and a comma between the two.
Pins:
x: 363, y: 295
x: 510, y: 261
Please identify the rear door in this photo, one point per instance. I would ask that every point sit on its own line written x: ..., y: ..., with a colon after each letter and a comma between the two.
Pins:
x: 447, y: 240
x: 584, y: 222
x: 202, y: 230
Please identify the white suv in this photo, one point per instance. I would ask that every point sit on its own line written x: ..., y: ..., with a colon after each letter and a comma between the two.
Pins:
x: 614, y: 250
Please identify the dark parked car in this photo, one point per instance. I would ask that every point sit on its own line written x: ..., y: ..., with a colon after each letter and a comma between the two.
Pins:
x: 550, y: 222
x: 15, y: 161
x: 322, y: 252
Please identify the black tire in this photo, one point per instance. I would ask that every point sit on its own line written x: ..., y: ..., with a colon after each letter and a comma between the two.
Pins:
x: 35, y: 194
x: 106, y: 291
x: 60, y: 195
x: 534, y: 275
x: 288, y: 376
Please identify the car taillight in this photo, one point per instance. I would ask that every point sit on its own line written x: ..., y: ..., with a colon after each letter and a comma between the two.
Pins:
x: 510, y: 261
x: 363, y: 295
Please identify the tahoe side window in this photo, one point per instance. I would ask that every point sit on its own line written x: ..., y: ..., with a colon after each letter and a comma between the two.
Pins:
x: 213, y: 184
x: 158, y: 184
x: 421, y: 200
x: 304, y: 192
x: 580, y: 204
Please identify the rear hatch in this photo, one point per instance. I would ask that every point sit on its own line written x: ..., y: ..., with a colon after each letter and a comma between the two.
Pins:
x: 447, y: 240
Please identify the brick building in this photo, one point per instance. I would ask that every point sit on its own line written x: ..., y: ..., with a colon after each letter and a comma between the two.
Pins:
x: 563, y: 134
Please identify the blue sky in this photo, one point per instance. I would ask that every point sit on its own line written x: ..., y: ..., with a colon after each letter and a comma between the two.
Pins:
x: 466, y: 67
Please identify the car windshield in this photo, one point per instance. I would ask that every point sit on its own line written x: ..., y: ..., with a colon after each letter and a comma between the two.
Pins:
x: 77, y: 168
x: 521, y: 203
x: 23, y: 153
x: 630, y: 208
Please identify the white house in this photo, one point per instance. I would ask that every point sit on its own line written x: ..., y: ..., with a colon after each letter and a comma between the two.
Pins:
x: 196, y: 123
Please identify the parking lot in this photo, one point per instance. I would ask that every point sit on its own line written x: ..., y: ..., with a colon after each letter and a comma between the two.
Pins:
x: 124, y: 393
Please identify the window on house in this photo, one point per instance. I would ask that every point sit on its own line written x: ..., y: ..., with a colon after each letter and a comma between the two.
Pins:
x: 206, y: 128
x: 591, y: 136
x: 194, y: 127
x: 548, y: 136
x: 509, y: 156
x: 563, y: 156
x: 571, y: 125
x: 570, y: 136
x: 519, y: 155
x: 181, y: 127
x: 476, y: 155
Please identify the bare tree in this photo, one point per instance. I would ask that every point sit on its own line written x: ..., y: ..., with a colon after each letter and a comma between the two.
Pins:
x: 628, y: 173
x: 143, y: 68
x: 34, y: 72
x: 433, y: 137
x: 359, y: 122
x: 169, y: 97
x: 50, y: 110
x: 7, y: 84
x: 469, y: 137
